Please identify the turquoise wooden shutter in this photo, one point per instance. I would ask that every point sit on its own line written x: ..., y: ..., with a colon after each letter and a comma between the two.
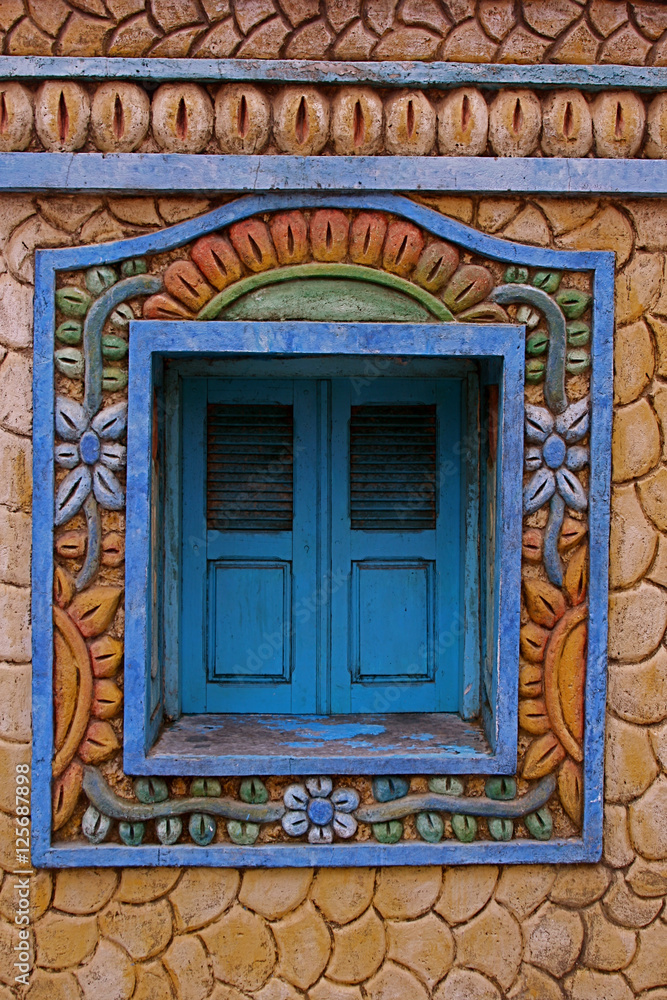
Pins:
x: 397, y: 537
x: 323, y: 545
x: 249, y: 546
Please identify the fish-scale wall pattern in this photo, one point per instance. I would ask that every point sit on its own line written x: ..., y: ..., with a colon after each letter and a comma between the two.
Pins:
x: 525, y: 31
x: 594, y: 932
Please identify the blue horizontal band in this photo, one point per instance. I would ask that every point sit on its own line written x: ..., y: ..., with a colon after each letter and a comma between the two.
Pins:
x: 206, y: 174
x: 385, y: 74
x: 305, y: 855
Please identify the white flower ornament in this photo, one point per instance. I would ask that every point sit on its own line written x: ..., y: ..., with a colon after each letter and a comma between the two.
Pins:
x: 91, y: 453
x: 319, y: 811
x: 554, y: 457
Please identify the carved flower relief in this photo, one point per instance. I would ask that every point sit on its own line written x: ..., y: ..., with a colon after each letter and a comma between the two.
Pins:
x: 317, y: 810
x: 553, y: 456
x: 91, y: 452
x: 86, y: 695
x: 552, y: 678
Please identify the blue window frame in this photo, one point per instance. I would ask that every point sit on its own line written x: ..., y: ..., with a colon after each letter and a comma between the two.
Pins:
x: 324, y: 670
x: 150, y: 683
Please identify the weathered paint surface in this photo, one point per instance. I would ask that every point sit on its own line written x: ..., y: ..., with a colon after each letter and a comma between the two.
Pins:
x: 579, y: 931
x: 202, y: 174
x: 383, y: 74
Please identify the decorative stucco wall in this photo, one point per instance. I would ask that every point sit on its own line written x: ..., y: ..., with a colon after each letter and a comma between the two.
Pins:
x: 479, y: 932
x: 528, y: 31
x: 593, y: 932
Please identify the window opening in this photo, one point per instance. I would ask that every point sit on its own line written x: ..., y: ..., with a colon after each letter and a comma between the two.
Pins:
x: 331, y: 577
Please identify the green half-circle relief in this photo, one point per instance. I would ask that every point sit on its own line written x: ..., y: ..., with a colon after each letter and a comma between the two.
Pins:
x: 326, y: 293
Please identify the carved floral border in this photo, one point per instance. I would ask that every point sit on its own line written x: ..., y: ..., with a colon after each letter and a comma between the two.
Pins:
x: 454, y: 282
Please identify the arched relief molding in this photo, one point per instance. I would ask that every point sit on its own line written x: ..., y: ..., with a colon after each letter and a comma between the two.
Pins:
x: 254, y: 259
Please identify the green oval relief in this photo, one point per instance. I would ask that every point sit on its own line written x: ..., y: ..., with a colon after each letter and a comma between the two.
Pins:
x: 328, y: 300
x: 326, y: 292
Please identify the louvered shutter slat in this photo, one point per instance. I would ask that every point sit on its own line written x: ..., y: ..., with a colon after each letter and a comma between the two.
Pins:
x: 392, y: 468
x: 249, y: 467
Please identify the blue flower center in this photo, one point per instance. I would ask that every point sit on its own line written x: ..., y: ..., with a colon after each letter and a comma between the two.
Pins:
x: 553, y: 451
x: 89, y: 447
x: 320, y: 811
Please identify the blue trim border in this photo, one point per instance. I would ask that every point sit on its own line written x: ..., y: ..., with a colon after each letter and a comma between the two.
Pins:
x: 304, y: 855
x: 66, y: 258
x: 588, y: 847
x: 440, y: 75
x: 212, y: 175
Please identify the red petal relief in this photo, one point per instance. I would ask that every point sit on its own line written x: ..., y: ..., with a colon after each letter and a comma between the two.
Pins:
x: 542, y: 757
x: 99, y: 743
x: 66, y: 791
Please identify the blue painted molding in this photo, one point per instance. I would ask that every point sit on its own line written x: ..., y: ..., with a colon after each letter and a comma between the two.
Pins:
x: 43, y: 471
x: 205, y: 174
x: 304, y: 855
x: 48, y: 262
x: 441, y: 75
x: 66, y: 258
x: 602, y: 396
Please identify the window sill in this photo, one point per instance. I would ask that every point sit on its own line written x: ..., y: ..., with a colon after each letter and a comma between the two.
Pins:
x: 405, y: 743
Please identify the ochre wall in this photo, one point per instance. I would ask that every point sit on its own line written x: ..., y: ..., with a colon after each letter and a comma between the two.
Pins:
x: 586, y: 932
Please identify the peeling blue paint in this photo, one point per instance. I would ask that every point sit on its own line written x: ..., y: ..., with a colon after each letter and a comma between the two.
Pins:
x: 442, y: 75
x: 324, y: 731
x: 213, y: 175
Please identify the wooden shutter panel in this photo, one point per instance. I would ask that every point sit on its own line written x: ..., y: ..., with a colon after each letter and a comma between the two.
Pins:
x: 396, y: 534
x: 249, y: 476
x: 249, y: 467
x: 393, y: 468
